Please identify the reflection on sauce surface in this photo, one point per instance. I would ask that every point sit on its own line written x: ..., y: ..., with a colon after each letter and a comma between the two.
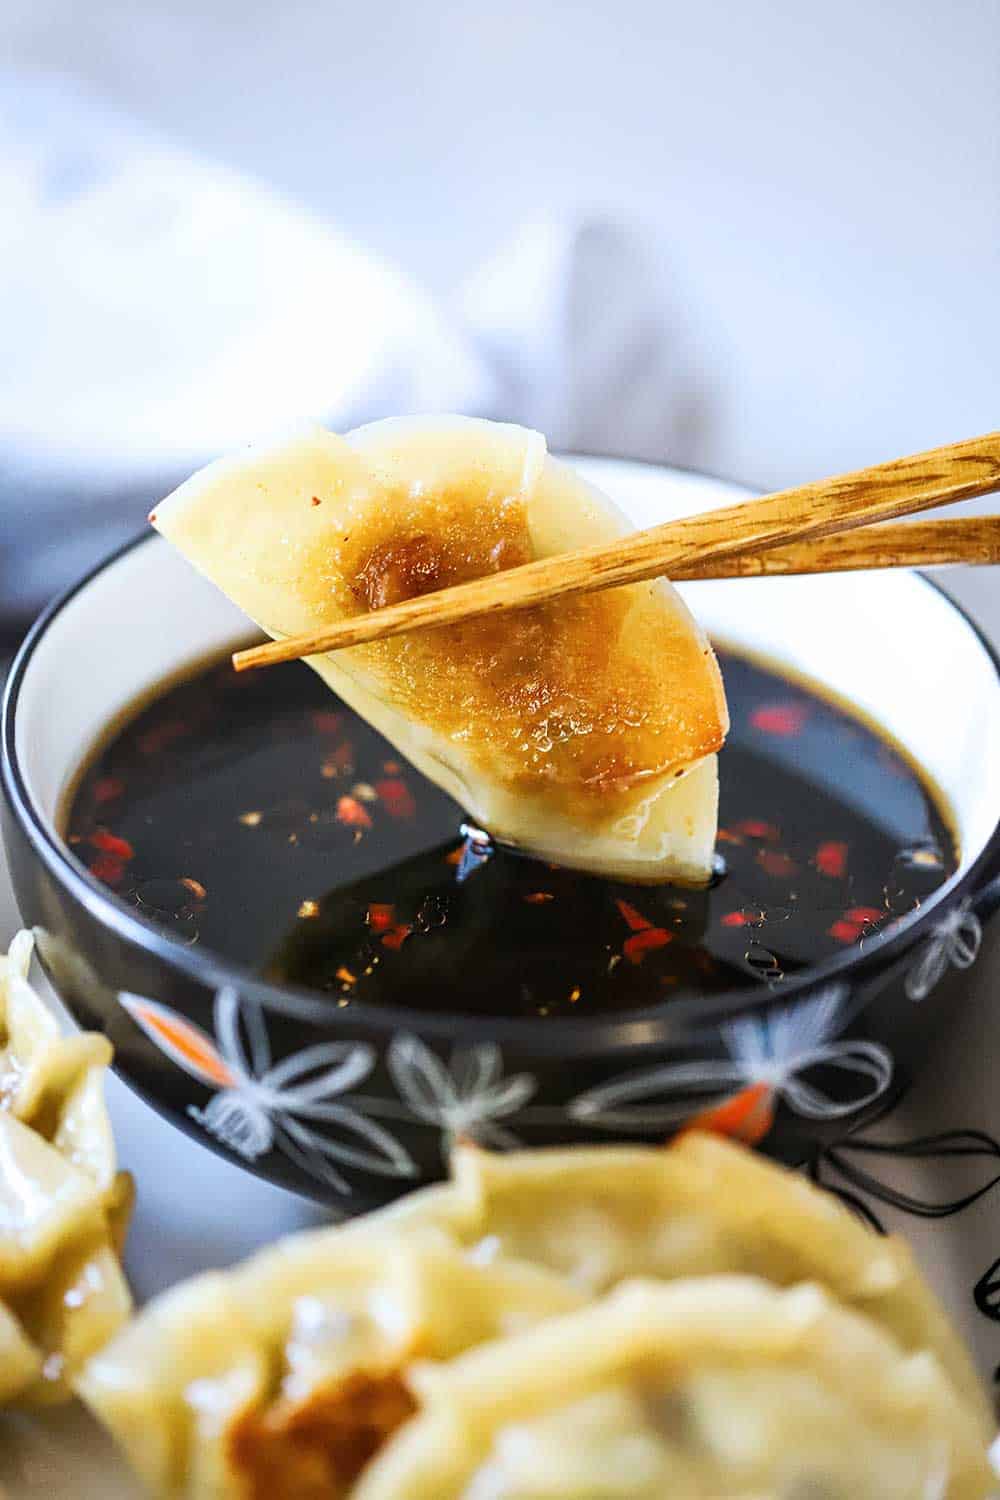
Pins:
x: 256, y: 815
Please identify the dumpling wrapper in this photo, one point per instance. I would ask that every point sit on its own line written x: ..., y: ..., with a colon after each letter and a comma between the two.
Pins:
x: 702, y: 1205
x: 702, y: 1389
x: 584, y: 730
x: 285, y: 1375
x: 232, y: 1375
x: 63, y: 1206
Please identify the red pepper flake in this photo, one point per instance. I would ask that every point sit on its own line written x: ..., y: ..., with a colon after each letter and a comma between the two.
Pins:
x: 725, y: 837
x: 110, y: 843
x: 646, y: 941
x: 341, y: 759
x: 397, y: 798
x: 351, y: 812
x: 391, y: 767
x: 773, y: 862
x: 109, y: 868
x: 735, y: 919
x: 753, y: 828
x: 161, y: 735
x: 856, y: 923
x: 380, y: 918
x: 316, y: 500
x: 831, y: 859
x: 784, y: 719
x: 634, y: 918
x: 844, y: 932
x: 381, y: 915
x: 327, y: 720
x: 865, y: 916
x: 345, y: 976
x: 538, y: 898
x: 108, y: 788
x: 455, y: 857
x: 196, y: 888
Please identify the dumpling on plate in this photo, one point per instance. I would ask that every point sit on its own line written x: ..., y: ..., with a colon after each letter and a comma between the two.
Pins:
x: 63, y: 1206
x: 286, y: 1375
x: 702, y: 1205
x: 603, y: 1214
x: 301, y: 1354
x: 294, y: 1372
x: 717, y: 1388
x: 584, y: 730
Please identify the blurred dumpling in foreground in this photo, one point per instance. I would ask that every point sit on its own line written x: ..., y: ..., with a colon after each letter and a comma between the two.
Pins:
x: 63, y: 1205
x: 293, y: 1372
x: 585, y: 729
x: 287, y: 1374
x: 702, y: 1205
x: 703, y: 1389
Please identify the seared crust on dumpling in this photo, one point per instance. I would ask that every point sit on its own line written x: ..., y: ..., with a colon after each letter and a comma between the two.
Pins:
x: 703, y: 1388
x: 585, y: 729
x: 63, y: 1206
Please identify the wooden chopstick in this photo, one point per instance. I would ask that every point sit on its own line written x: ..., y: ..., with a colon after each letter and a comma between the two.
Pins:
x: 807, y: 513
x: 891, y: 544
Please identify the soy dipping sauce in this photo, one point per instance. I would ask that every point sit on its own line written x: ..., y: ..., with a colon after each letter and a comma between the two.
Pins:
x: 259, y: 817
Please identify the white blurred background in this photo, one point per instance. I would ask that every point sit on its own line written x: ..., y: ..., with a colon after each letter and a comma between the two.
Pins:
x: 812, y: 193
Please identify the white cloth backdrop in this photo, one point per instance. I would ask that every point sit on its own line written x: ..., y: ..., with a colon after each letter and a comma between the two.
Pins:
x: 158, y: 309
x: 816, y: 192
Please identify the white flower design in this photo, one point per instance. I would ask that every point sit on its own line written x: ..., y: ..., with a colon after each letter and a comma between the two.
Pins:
x: 956, y: 940
x: 263, y: 1107
x: 768, y: 1055
x: 467, y: 1098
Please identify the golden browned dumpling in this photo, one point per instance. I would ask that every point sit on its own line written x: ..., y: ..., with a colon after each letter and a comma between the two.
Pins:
x: 719, y: 1388
x: 585, y: 730
x: 63, y: 1207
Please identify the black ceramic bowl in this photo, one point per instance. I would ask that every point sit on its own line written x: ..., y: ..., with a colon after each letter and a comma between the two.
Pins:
x: 356, y: 1105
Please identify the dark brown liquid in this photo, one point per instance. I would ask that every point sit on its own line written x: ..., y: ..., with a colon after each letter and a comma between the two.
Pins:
x: 258, y: 816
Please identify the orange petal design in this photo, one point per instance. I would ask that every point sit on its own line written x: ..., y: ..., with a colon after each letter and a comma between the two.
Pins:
x: 747, y: 1116
x: 190, y: 1048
